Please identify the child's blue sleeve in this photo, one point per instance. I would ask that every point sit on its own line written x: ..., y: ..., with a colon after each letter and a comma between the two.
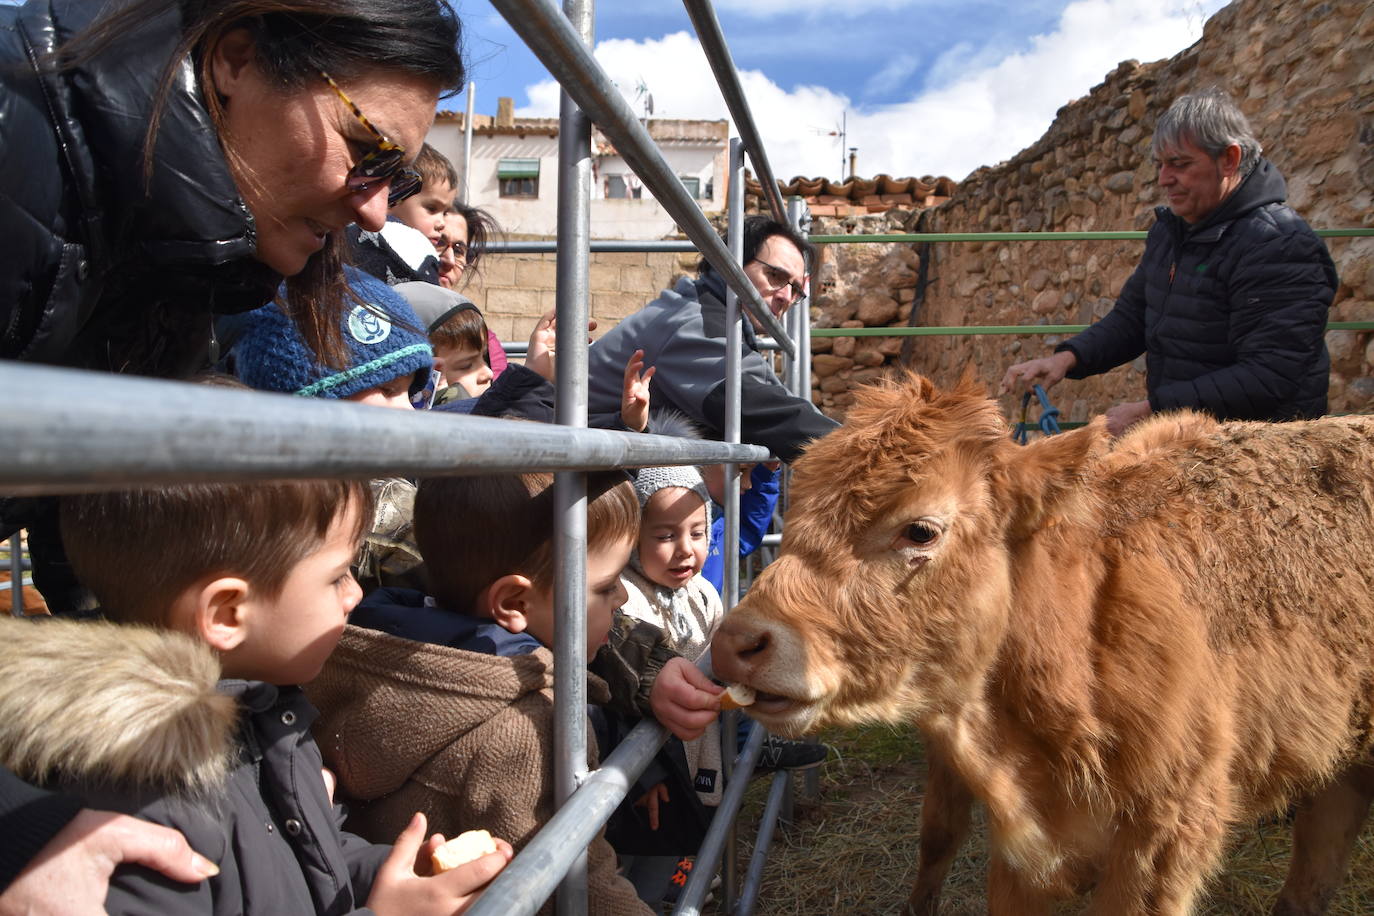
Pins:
x: 714, y: 567
x: 755, y: 514
x: 756, y: 508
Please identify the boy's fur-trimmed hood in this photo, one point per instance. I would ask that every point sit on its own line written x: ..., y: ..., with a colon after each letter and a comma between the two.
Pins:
x: 107, y: 704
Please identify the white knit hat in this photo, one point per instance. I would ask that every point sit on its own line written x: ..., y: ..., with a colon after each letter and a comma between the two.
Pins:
x: 651, y: 480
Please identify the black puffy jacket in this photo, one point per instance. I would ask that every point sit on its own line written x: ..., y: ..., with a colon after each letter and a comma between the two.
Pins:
x: 1230, y: 313
x: 102, y: 269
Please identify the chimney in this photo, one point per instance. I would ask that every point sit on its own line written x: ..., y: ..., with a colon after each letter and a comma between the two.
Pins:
x: 853, y: 160
x: 505, y: 112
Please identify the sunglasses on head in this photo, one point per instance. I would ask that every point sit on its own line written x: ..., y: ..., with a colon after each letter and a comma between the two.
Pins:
x: 385, y: 163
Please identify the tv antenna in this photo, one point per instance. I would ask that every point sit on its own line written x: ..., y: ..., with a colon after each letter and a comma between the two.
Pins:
x: 840, y: 130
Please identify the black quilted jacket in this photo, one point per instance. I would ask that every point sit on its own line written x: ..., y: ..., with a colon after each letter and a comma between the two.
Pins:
x: 101, y: 269
x: 1230, y: 313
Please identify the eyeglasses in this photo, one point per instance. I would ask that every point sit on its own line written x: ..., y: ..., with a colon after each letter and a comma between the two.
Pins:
x: 385, y: 163
x: 778, y: 278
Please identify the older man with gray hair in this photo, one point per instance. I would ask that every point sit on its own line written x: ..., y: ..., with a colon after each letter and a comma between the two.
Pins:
x: 1229, y: 303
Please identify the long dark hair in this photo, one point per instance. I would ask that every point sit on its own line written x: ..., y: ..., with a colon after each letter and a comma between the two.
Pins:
x: 293, y: 41
x: 482, y: 230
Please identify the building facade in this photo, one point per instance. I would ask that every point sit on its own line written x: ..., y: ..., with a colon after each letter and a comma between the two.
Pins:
x: 514, y: 172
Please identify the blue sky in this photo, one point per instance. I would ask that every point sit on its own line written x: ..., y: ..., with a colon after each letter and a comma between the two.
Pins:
x: 930, y: 87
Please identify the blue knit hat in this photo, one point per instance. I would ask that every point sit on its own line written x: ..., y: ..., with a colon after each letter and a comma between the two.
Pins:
x: 271, y: 355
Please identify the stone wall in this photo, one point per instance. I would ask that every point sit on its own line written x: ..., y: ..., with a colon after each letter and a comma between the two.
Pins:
x: 1304, y: 74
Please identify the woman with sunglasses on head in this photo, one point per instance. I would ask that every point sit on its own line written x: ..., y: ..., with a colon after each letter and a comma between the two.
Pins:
x: 168, y: 160
x: 176, y: 159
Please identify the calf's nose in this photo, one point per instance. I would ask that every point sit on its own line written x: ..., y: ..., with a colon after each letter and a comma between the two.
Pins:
x: 739, y: 649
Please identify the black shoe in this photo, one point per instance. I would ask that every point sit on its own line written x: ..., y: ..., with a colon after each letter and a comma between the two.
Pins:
x: 783, y: 754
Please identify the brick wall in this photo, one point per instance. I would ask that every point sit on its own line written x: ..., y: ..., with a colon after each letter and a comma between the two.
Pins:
x: 513, y: 290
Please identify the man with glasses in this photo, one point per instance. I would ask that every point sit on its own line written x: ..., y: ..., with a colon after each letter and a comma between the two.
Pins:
x: 1230, y: 300
x: 682, y: 334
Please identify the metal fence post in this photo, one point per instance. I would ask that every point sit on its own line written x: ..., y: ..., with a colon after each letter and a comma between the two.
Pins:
x: 727, y: 77
x: 551, y: 38
x: 570, y: 488
x: 467, y: 142
x: 17, y: 574
x: 799, y: 217
x: 733, y: 350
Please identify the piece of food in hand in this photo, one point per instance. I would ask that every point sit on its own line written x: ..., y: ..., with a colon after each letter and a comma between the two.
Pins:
x: 464, y: 848
x: 737, y: 696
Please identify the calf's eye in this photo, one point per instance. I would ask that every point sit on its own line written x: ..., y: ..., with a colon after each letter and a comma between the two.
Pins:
x: 921, y: 533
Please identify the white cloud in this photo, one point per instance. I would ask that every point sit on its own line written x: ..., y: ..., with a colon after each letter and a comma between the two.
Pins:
x: 893, y: 75
x: 982, y: 110
x: 762, y: 9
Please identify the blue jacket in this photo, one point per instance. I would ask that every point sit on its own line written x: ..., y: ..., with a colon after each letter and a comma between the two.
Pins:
x: 409, y: 614
x: 1230, y: 313
x: 755, y: 513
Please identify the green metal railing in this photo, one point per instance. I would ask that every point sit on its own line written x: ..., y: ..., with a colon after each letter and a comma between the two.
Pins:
x: 1029, y: 236
x: 955, y: 330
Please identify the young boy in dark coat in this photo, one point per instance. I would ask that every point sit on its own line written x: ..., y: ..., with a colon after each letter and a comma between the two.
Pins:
x: 245, y: 582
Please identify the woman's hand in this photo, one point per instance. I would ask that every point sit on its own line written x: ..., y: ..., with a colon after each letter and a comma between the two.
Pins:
x: 71, y: 875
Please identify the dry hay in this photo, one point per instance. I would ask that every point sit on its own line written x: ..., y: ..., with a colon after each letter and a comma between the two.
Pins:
x: 854, y: 852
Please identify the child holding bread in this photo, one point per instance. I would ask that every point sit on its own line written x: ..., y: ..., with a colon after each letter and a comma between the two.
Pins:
x: 444, y: 703
x: 181, y: 707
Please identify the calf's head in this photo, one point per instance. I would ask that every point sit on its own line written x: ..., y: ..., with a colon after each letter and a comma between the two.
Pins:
x: 892, y: 592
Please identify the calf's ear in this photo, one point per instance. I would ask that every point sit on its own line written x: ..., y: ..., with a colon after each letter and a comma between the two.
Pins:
x: 1044, y: 481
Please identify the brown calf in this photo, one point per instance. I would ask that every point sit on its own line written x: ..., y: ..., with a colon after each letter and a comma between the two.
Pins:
x: 1120, y: 648
x: 1325, y: 829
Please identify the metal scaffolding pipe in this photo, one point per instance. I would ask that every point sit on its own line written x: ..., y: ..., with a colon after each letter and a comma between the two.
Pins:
x: 734, y: 350
x: 704, y: 20
x: 131, y: 431
x: 17, y: 575
x: 800, y: 217
x: 713, y: 844
x: 753, y: 878
x: 523, y: 886
x: 570, y: 488
x: 467, y: 142
x: 552, y: 39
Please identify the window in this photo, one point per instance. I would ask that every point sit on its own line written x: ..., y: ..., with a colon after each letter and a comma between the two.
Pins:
x: 622, y: 187
x: 518, y: 177
x: 692, y: 184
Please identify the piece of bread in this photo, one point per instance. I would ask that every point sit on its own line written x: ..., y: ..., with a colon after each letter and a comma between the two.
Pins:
x: 737, y: 696
x: 462, y: 849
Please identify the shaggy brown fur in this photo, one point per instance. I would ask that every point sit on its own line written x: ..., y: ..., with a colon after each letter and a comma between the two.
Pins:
x: 1121, y: 648
x: 103, y: 704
